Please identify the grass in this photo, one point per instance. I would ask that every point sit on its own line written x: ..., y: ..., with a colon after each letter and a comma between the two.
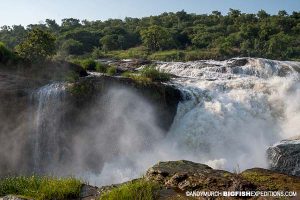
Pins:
x: 137, y: 78
x: 111, y: 71
x: 147, y: 75
x: 167, y: 55
x: 268, y: 180
x: 136, y: 52
x: 137, y: 190
x: 41, y: 188
x: 154, y: 75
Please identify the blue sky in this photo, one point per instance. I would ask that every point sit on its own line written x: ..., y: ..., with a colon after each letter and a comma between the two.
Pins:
x: 34, y: 11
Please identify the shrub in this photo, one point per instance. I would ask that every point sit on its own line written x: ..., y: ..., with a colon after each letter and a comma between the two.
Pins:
x: 138, y: 190
x: 101, y: 67
x: 155, y: 75
x: 111, y: 71
x: 5, y: 54
x: 41, y: 188
x: 137, y: 77
x: 172, y: 55
x: 88, y: 64
x: 71, y: 76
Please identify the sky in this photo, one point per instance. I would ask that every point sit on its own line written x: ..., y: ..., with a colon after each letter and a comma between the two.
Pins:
x: 35, y: 11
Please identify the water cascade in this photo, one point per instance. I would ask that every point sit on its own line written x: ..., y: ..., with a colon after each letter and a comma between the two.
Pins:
x: 234, y: 109
x: 48, y: 134
x: 232, y: 112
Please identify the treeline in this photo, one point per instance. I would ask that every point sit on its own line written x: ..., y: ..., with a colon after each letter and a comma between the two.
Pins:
x: 235, y: 34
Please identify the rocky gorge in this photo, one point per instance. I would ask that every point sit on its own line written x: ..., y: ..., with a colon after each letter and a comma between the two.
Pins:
x: 111, y: 129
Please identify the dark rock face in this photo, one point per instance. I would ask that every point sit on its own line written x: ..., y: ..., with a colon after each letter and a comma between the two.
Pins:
x: 163, y: 97
x: 285, y: 157
x: 18, y: 108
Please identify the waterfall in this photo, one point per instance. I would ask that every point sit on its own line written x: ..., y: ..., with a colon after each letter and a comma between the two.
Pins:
x: 232, y: 112
x: 234, y: 109
x: 47, y: 128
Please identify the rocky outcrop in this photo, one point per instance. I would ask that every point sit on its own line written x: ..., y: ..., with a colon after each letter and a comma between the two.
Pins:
x: 163, y: 97
x: 284, y: 157
x: 187, y: 175
x: 175, y: 178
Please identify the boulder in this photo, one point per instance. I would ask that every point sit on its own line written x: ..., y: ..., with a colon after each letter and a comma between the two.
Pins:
x: 187, y: 175
x: 284, y: 157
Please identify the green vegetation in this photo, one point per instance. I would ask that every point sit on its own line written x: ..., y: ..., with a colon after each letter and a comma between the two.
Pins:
x: 156, y: 38
x: 100, y: 67
x: 138, y: 190
x: 111, y: 70
x: 6, y: 55
x: 154, y: 75
x: 268, y: 180
x: 37, y: 46
x: 147, y: 75
x: 137, y: 77
x: 169, y: 36
x: 88, y: 64
x: 41, y: 188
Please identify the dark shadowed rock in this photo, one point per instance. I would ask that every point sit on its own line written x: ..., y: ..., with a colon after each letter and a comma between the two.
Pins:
x: 237, y: 62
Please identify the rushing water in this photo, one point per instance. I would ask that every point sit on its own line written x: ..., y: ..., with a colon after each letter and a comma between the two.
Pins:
x: 233, y: 110
x: 47, y: 131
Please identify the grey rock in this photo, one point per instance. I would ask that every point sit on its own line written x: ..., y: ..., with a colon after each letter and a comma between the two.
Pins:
x: 284, y: 157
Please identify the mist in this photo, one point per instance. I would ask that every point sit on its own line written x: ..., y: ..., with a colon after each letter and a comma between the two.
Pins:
x: 227, y: 123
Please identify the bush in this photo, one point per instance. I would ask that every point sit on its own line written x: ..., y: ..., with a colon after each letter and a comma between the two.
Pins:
x: 5, y: 54
x: 41, y: 188
x: 155, y: 75
x: 88, y: 64
x: 137, y: 77
x: 111, y: 71
x: 71, y: 76
x: 138, y: 190
x: 172, y: 55
x: 101, y: 67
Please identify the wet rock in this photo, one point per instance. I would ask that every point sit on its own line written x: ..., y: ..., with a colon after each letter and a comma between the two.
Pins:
x: 284, y: 157
x: 237, y: 62
x: 89, y: 193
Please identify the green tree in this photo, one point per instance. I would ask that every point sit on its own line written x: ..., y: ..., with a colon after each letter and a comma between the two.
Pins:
x: 109, y: 42
x: 72, y: 47
x: 37, y: 46
x: 156, y: 38
x: 279, y: 46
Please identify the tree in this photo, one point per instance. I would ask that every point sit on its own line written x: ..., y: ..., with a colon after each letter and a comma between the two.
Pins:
x: 234, y: 13
x: 52, y: 25
x: 156, y: 38
x: 262, y: 14
x: 109, y: 42
x: 279, y: 46
x: 72, y: 47
x: 37, y: 46
x: 282, y: 13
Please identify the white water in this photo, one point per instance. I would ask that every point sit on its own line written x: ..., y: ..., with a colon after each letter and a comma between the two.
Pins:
x: 46, y: 130
x: 231, y: 114
x: 234, y: 113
